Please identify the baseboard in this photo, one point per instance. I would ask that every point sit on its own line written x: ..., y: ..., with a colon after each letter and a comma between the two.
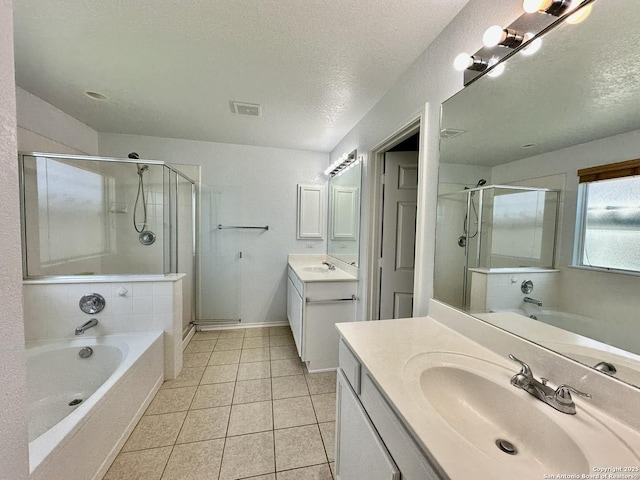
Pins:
x: 187, y: 339
x: 204, y: 328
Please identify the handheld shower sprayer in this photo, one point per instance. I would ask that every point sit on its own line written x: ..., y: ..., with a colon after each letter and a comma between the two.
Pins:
x: 462, y: 240
x: 146, y: 237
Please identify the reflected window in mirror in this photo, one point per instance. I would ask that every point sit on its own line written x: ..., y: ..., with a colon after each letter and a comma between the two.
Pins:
x: 548, y: 116
x: 608, y: 223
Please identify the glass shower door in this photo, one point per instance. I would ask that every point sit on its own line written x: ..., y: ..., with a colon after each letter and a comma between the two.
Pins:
x: 220, y: 255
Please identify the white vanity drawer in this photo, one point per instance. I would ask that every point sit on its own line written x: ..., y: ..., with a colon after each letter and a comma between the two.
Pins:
x: 350, y: 366
x: 407, y: 455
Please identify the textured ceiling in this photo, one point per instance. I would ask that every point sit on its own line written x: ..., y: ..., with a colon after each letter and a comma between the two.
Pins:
x: 581, y: 86
x: 170, y: 68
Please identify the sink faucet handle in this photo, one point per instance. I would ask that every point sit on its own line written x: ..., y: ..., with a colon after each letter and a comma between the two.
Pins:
x: 563, y: 394
x: 526, y: 370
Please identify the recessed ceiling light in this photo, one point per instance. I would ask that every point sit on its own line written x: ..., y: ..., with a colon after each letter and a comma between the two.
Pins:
x: 95, y: 95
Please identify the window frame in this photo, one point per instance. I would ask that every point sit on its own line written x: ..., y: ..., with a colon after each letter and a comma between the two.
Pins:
x: 614, y: 171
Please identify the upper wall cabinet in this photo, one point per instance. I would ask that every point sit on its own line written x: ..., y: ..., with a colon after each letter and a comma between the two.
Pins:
x: 311, y: 208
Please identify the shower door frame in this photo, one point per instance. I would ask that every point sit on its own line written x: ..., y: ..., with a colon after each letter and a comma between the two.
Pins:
x: 165, y: 268
x: 469, y: 192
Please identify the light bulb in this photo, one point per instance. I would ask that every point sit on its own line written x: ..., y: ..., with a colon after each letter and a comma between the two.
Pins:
x: 532, y: 45
x: 532, y: 6
x: 580, y: 15
x: 462, y: 62
x: 497, y: 71
x: 493, y: 36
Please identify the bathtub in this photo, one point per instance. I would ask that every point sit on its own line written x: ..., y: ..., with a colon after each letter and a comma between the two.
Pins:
x: 81, y: 410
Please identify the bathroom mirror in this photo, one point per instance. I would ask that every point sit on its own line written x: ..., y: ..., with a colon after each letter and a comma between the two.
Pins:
x: 344, y: 215
x: 572, y: 105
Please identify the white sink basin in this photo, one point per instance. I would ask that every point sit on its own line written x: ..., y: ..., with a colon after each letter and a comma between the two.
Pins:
x: 474, y: 406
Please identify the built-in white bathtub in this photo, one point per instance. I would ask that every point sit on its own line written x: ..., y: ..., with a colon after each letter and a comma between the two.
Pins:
x: 116, y: 384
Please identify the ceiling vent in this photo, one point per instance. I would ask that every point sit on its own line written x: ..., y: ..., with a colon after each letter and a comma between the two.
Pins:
x: 241, y: 108
x: 451, y: 132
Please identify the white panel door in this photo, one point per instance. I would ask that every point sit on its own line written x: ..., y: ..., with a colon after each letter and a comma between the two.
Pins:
x: 360, y: 453
x: 398, y: 234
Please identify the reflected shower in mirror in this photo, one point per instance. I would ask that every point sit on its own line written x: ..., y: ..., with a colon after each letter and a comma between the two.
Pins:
x: 572, y: 106
x: 344, y: 213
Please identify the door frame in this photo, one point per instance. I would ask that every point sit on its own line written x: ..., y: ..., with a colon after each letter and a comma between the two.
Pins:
x: 376, y: 200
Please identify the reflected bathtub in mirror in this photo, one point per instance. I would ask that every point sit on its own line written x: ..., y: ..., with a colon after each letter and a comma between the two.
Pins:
x: 547, y: 117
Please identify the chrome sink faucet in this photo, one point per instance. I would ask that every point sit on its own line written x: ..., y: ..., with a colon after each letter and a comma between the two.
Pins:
x: 86, y: 325
x: 532, y: 300
x: 330, y: 266
x: 560, y: 398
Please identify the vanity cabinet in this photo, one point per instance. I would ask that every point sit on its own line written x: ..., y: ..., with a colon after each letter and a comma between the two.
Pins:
x: 313, y: 308
x: 371, y: 441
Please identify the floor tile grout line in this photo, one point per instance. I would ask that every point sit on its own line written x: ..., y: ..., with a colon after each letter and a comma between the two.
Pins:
x: 167, y: 462
x: 224, y: 445
x: 273, y: 424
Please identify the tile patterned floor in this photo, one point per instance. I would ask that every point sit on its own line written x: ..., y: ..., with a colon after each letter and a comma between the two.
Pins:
x: 244, y: 407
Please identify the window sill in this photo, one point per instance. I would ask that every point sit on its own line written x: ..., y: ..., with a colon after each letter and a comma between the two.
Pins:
x: 629, y: 273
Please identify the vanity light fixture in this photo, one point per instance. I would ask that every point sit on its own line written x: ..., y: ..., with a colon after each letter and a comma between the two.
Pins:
x: 532, y: 45
x: 464, y: 61
x: 341, y: 164
x: 496, y: 35
x: 557, y: 8
x: 497, y: 71
x: 580, y: 15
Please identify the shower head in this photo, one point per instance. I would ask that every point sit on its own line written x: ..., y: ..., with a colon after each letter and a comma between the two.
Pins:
x: 481, y: 183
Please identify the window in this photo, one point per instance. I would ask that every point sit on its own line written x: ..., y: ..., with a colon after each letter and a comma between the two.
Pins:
x: 71, y: 211
x: 608, y: 233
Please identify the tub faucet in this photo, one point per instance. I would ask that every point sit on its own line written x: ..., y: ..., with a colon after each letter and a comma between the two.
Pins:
x: 532, y: 300
x: 330, y: 266
x: 86, y: 325
x: 560, y: 398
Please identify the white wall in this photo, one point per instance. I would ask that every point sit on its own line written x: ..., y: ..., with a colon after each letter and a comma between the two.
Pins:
x: 431, y: 79
x: 45, y: 128
x: 13, y: 402
x: 264, y: 180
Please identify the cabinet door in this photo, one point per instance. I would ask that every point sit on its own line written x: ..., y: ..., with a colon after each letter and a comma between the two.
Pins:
x: 360, y: 454
x: 311, y: 211
x: 294, y: 314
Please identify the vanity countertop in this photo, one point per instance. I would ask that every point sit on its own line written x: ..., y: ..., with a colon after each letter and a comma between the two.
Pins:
x: 306, y: 268
x: 387, y: 347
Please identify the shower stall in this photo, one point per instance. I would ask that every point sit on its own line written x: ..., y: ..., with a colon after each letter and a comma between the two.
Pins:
x: 491, y: 227
x: 108, y: 216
